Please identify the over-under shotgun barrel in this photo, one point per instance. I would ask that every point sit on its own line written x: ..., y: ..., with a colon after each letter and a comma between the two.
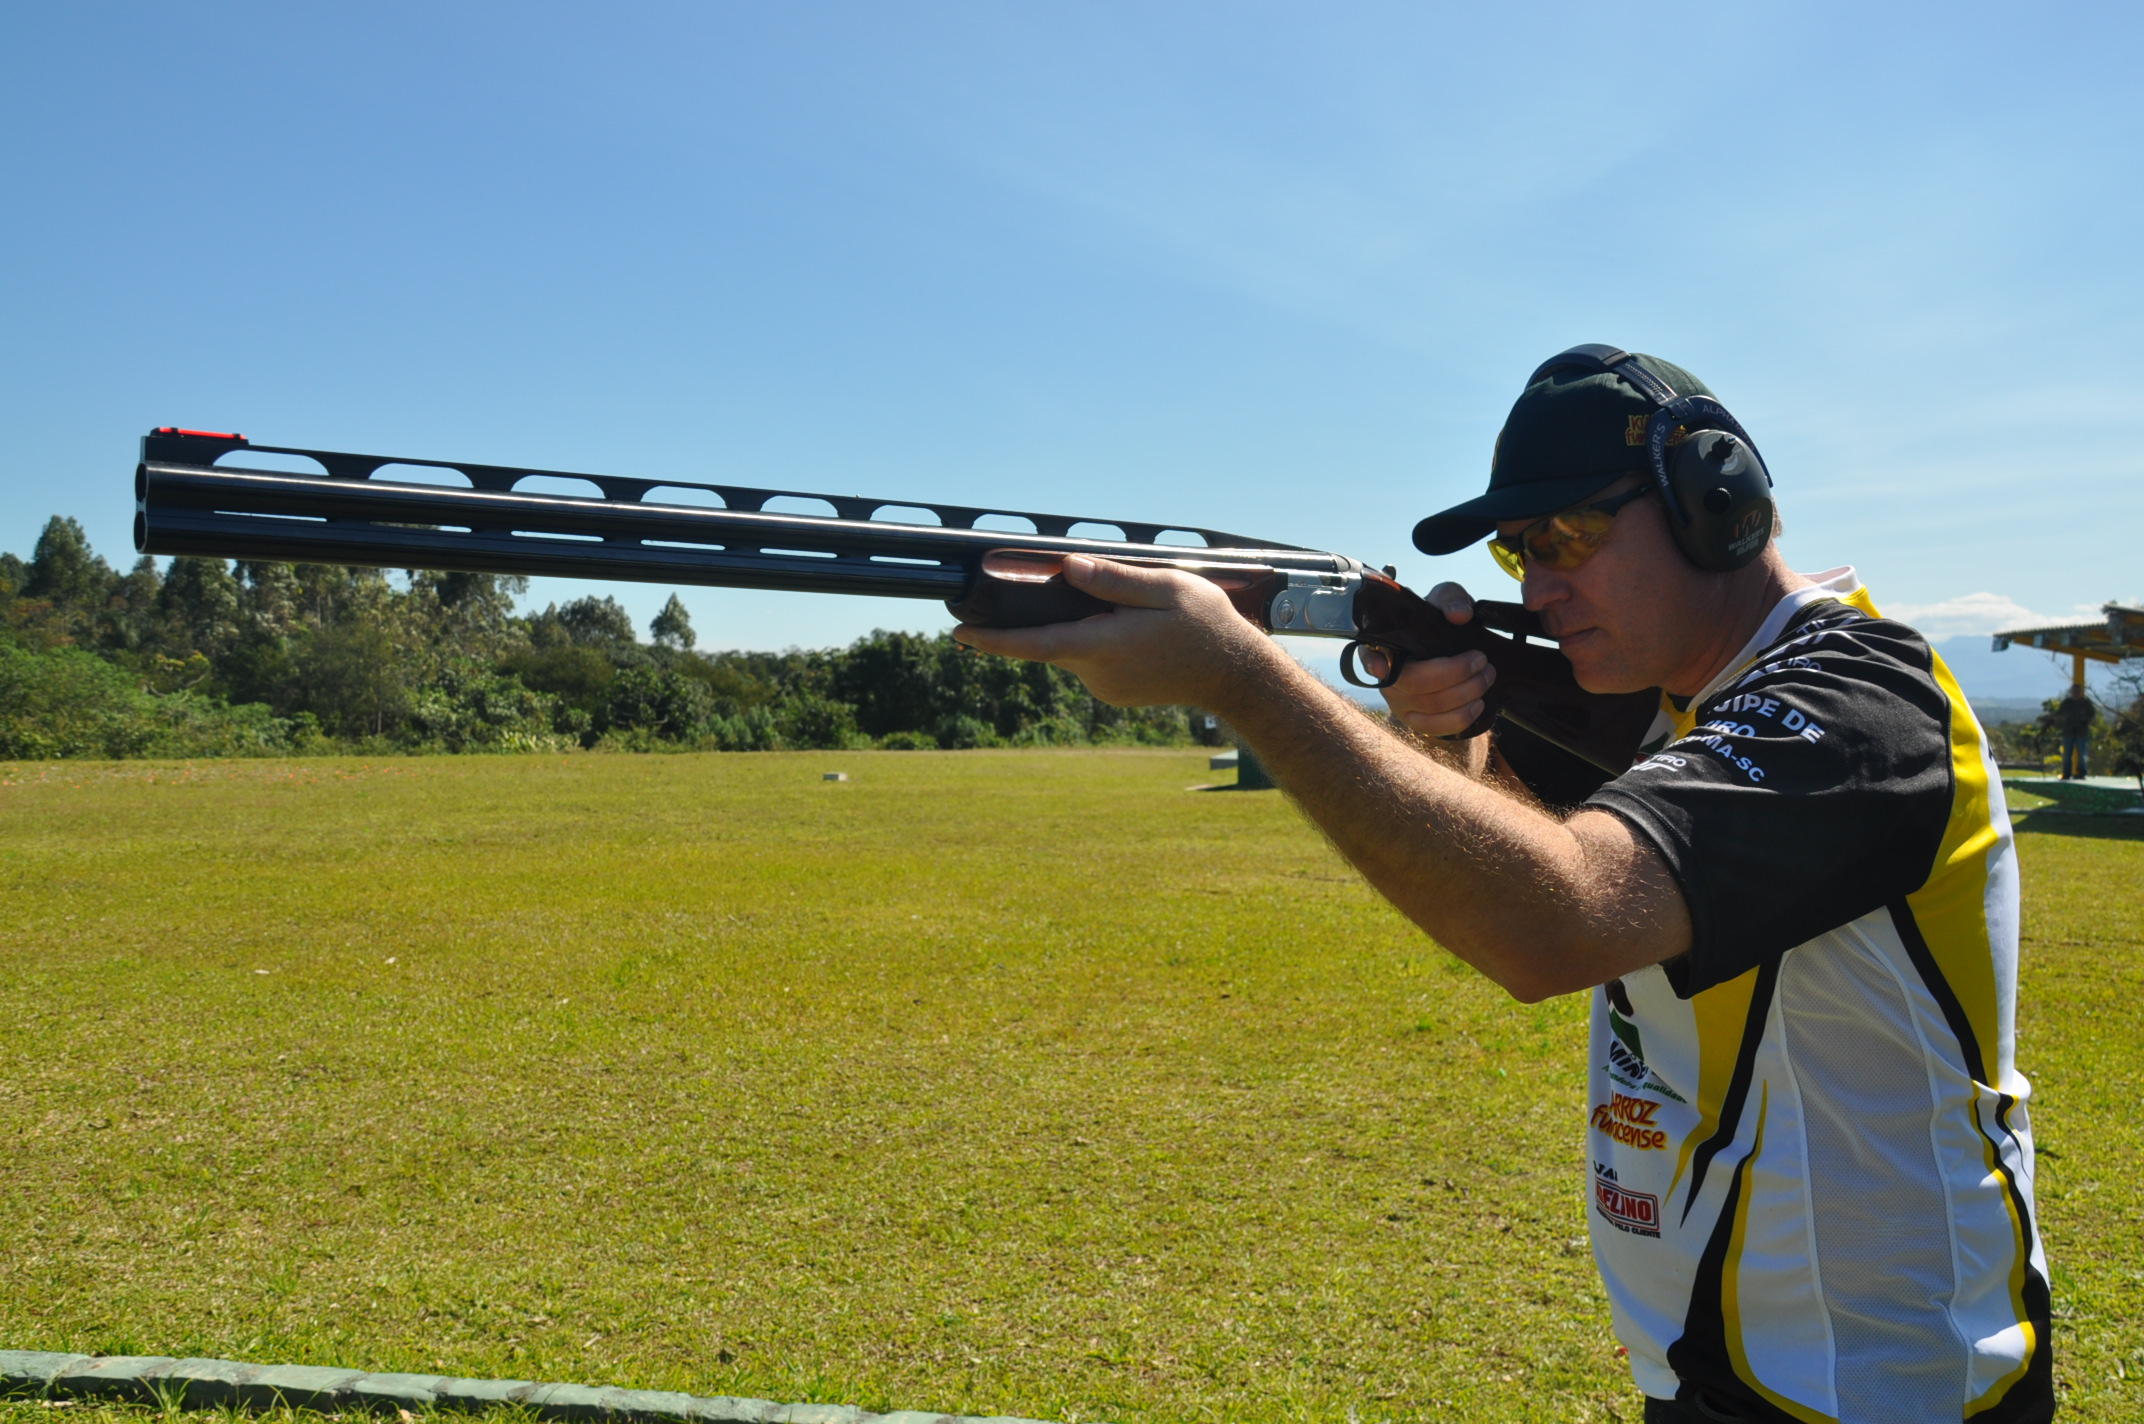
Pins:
x: 188, y: 503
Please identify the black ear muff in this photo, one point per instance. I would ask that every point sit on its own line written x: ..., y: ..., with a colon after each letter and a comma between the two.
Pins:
x: 1715, y: 486
x: 1726, y: 498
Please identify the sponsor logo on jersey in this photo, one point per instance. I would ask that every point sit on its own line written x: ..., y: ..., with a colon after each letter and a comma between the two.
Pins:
x: 1628, y: 1119
x: 1626, y: 1059
x: 1635, y: 1212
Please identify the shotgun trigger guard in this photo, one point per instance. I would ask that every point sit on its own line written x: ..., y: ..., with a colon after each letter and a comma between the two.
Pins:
x: 1406, y: 627
x: 1356, y: 677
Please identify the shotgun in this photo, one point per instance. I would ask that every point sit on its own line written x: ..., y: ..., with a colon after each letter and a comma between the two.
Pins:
x: 473, y: 518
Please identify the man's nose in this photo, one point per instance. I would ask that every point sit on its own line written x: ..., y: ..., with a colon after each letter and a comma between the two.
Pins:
x: 1542, y: 588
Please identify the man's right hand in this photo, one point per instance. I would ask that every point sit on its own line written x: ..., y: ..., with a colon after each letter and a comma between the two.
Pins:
x: 1438, y: 697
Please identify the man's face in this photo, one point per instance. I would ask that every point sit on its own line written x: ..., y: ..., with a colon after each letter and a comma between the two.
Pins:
x: 1621, y: 615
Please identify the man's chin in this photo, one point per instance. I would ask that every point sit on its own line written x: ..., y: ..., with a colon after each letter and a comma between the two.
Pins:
x: 1597, y: 669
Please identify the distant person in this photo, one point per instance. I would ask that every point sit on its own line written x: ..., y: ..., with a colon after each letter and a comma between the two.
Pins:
x: 1809, y: 1171
x: 2075, y: 718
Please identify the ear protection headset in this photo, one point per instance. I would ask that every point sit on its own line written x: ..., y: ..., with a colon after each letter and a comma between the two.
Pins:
x: 1713, y: 481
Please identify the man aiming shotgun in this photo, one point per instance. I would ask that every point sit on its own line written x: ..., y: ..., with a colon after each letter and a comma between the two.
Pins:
x: 1771, y: 843
x: 1796, y: 909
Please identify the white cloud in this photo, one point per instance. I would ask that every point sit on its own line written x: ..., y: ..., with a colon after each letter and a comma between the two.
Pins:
x: 1982, y: 613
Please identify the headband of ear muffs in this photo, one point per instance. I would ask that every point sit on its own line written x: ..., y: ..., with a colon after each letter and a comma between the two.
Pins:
x: 1709, y: 474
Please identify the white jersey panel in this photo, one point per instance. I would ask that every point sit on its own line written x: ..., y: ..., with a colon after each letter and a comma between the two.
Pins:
x: 1855, y: 1027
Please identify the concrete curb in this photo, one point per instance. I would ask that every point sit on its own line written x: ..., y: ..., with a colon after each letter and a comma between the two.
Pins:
x: 208, y: 1384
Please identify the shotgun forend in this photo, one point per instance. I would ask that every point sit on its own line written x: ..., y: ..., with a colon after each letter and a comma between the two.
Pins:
x: 396, y: 512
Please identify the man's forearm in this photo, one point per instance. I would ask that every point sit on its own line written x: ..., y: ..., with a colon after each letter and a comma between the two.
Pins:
x: 1471, y: 757
x: 1540, y: 904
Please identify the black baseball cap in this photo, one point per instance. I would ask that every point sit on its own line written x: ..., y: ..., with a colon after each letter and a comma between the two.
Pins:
x: 1571, y: 434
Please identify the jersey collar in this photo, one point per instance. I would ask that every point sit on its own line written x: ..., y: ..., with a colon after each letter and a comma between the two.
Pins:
x: 1841, y: 583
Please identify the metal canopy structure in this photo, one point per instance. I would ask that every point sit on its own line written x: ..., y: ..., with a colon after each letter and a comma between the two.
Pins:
x: 2119, y: 635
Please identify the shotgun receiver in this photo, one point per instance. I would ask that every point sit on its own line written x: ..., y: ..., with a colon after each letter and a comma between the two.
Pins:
x: 456, y: 516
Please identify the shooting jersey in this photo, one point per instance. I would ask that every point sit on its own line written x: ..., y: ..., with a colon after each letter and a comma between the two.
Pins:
x: 1811, y: 1166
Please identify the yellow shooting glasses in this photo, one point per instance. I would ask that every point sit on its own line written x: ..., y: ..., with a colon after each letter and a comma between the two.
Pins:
x: 1564, y: 540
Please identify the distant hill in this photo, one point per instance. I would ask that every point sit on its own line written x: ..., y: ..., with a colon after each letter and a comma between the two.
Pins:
x: 1995, y: 711
x: 2010, y: 685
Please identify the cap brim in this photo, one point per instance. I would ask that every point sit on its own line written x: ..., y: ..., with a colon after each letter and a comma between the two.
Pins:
x: 1476, y: 520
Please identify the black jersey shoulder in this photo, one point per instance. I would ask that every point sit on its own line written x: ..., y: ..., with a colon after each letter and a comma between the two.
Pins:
x: 1810, y: 790
x: 1883, y: 650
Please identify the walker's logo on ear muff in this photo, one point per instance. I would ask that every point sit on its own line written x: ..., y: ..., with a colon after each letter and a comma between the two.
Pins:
x: 1751, y: 529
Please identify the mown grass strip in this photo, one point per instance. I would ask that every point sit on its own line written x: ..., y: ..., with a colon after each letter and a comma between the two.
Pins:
x: 199, y: 1384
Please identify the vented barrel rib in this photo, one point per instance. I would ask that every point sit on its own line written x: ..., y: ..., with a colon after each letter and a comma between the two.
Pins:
x: 187, y: 504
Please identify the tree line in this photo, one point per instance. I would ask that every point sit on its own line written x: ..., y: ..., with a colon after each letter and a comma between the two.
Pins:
x: 210, y: 658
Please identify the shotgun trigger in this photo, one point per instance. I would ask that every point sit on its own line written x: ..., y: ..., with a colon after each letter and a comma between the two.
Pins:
x: 1356, y: 676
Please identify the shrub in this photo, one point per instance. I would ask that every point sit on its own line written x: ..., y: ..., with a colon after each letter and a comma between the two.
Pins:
x: 961, y: 733
x: 810, y: 722
x: 70, y: 703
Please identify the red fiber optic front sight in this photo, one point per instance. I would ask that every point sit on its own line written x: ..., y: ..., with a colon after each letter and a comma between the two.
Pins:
x: 209, y: 434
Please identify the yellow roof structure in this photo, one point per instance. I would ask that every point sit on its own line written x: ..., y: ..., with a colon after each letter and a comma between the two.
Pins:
x: 2117, y: 636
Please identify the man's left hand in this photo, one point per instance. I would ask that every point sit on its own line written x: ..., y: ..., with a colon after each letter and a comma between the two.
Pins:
x: 1172, y: 637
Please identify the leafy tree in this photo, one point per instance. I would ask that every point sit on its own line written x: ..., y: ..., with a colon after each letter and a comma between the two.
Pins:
x: 354, y: 678
x: 63, y: 588
x: 329, y: 594
x: 657, y: 700
x: 672, y: 627
x: 473, y: 612
x: 199, y: 606
x: 65, y: 570
x: 132, y: 612
x: 893, y: 682
x: 587, y: 621
x: 579, y: 677
x: 272, y: 599
x: 728, y: 679
x: 813, y: 722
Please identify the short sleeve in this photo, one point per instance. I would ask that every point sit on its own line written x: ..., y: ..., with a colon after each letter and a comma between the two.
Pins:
x: 1811, y: 791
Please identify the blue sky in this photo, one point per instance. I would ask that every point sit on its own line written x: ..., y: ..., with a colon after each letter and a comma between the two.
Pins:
x: 1274, y: 268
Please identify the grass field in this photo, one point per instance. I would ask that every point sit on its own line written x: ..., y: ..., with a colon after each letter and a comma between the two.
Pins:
x: 1022, y: 1083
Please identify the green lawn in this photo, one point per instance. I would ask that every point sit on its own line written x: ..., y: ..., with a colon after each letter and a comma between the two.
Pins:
x: 1022, y: 1083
